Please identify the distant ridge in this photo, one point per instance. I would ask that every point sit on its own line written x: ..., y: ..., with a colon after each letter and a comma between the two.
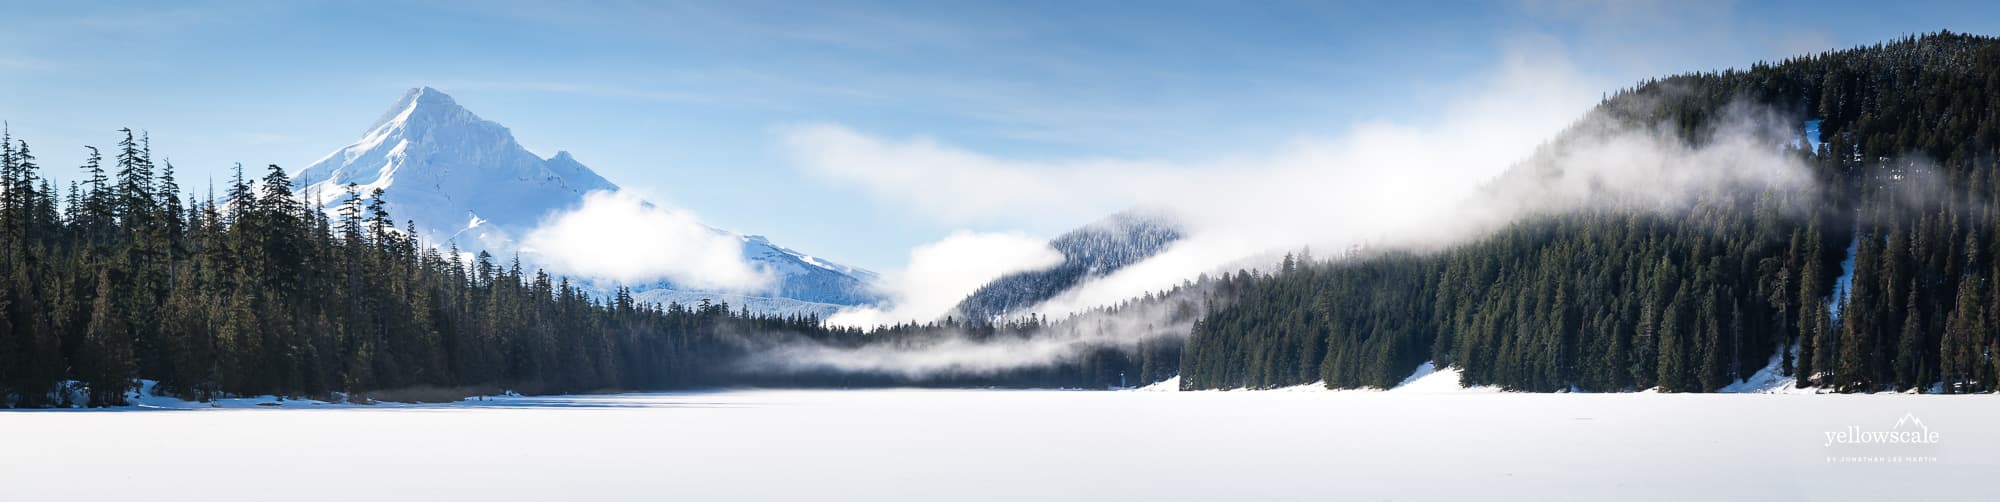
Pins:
x: 1095, y: 250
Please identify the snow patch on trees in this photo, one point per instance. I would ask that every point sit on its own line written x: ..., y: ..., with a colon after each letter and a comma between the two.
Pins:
x: 1845, y: 283
x: 1771, y: 379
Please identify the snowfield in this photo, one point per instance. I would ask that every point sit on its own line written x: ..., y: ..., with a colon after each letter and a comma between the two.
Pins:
x: 1016, y: 445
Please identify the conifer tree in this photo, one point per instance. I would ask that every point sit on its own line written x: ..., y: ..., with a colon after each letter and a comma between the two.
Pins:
x: 107, y: 348
x: 1961, y: 349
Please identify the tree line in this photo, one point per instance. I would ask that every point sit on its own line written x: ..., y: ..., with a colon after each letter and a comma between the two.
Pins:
x: 121, y: 277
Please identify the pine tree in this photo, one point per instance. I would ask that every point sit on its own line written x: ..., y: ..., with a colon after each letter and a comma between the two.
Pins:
x: 108, y: 348
x: 1813, y: 312
x: 1960, y: 348
x: 1910, y: 345
x: 1674, y: 323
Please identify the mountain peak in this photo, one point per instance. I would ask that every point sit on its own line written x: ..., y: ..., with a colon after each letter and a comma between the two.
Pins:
x: 440, y: 164
x: 419, y: 103
x: 430, y: 96
x: 466, y: 181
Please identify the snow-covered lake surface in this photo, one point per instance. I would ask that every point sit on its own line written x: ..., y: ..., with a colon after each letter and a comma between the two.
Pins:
x: 1018, y: 445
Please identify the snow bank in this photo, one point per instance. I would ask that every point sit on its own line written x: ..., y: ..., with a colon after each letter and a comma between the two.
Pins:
x: 1768, y: 380
x: 1319, y: 386
x: 145, y: 398
x: 1429, y: 379
x: 1168, y: 385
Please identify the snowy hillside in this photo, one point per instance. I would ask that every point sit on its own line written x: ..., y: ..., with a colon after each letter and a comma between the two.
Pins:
x: 465, y: 181
x: 1095, y: 250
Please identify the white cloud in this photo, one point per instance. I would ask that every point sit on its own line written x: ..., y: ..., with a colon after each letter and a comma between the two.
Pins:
x: 1376, y: 179
x: 942, y: 272
x: 621, y: 237
x: 1421, y: 182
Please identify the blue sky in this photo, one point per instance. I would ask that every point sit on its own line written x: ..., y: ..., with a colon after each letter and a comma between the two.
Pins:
x: 691, y: 100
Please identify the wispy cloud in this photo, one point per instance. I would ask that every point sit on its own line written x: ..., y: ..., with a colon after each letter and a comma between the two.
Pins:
x: 1373, y: 165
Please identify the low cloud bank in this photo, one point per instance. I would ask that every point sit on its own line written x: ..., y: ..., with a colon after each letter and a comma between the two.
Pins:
x: 1425, y: 183
x: 952, y: 353
x: 617, y: 235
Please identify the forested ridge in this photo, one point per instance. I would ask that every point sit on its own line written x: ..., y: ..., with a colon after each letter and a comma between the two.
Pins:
x: 1093, y: 251
x: 1699, y: 296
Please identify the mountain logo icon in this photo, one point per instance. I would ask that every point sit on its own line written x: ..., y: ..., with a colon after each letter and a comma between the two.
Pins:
x: 1910, y: 419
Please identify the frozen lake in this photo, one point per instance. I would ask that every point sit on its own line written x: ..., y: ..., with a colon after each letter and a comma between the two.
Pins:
x: 1017, y: 445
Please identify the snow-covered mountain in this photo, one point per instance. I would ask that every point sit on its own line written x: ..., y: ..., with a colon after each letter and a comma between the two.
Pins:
x: 1095, y: 250
x: 464, y: 180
